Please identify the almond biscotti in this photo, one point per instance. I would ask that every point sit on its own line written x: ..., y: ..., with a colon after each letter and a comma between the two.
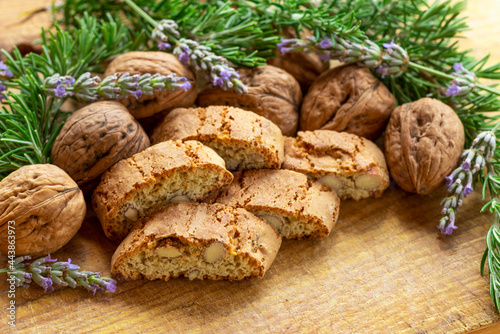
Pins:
x: 242, y: 138
x: 168, y: 172
x: 296, y: 207
x: 198, y: 241
x: 351, y: 165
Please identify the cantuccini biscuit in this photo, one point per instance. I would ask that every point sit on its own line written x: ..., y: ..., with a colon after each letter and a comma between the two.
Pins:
x: 198, y: 241
x: 351, y: 165
x: 242, y: 138
x: 168, y: 172
x: 298, y: 208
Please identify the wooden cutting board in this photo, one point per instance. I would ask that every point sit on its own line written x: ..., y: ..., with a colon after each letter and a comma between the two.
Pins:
x: 384, y: 269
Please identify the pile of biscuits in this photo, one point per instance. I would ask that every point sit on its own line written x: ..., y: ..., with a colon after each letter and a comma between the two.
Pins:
x: 219, y: 188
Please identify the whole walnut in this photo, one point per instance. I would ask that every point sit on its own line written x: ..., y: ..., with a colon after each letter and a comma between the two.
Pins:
x: 350, y: 99
x: 305, y: 67
x: 43, y: 206
x: 273, y: 93
x: 141, y: 62
x: 423, y: 143
x: 94, y: 138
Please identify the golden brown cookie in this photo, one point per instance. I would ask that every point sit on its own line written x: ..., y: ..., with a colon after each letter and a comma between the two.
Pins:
x: 197, y: 241
x: 296, y: 207
x: 168, y: 172
x: 242, y: 138
x: 352, y: 166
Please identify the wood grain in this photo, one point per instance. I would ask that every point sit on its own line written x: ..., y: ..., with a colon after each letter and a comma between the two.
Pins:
x: 384, y: 269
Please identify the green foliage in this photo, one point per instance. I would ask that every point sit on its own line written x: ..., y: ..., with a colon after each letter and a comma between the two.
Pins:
x: 31, y: 120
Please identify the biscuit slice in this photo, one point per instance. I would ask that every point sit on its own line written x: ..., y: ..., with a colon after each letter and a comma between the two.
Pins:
x: 198, y: 241
x: 296, y: 207
x: 242, y: 138
x: 351, y: 165
x: 168, y: 172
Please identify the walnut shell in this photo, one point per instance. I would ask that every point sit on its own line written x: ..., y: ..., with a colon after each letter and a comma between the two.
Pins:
x: 272, y: 93
x: 46, y: 205
x: 423, y: 143
x: 349, y: 99
x: 141, y: 62
x: 305, y: 67
x: 94, y: 138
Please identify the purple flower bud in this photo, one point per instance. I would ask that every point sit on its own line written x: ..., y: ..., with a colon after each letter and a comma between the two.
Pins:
x: 466, y: 165
x: 8, y: 73
x: 448, y: 180
x: 218, y: 82
x: 186, y: 86
x: 390, y: 45
x: 2, y: 87
x: 49, y: 259
x: 453, y: 90
x: 458, y: 67
x: 60, y: 91
x: 326, y: 43
x: 137, y: 94
x: 184, y: 57
x: 449, y: 229
x: 225, y: 74
x: 3, y: 67
x: 383, y: 70
x: 163, y: 46
x: 70, y: 81
x: 111, y: 286
x: 468, y: 190
x: 72, y: 266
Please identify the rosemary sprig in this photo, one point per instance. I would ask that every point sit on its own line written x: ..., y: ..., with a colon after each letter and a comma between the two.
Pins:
x: 31, y: 118
x: 47, y: 273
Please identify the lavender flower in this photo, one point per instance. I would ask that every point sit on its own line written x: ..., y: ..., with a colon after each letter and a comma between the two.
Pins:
x: 200, y: 57
x: 4, y: 71
x: 163, y: 46
x: 393, y: 60
x: 116, y: 86
x: 459, y: 182
x: 47, y: 273
x: 293, y: 45
x: 216, y: 68
x: 464, y: 82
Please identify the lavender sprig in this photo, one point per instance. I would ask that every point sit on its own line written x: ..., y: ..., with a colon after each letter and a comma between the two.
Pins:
x: 200, y: 57
x: 464, y: 82
x: 392, y: 60
x: 47, y: 273
x: 116, y: 86
x: 459, y: 182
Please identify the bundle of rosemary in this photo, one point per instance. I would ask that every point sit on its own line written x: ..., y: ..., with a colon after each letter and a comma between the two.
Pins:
x: 411, y: 46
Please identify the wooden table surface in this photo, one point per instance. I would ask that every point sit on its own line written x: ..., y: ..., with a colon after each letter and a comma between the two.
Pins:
x: 384, y: 269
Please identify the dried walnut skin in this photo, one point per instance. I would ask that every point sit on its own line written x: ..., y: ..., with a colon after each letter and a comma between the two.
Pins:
x: 94, y: 138
x: 141, y: 62
x: 303, y: 66
x: 423, y: 143
x: 272, y: 93
x: 350, y: 99
x: 47, y: 206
